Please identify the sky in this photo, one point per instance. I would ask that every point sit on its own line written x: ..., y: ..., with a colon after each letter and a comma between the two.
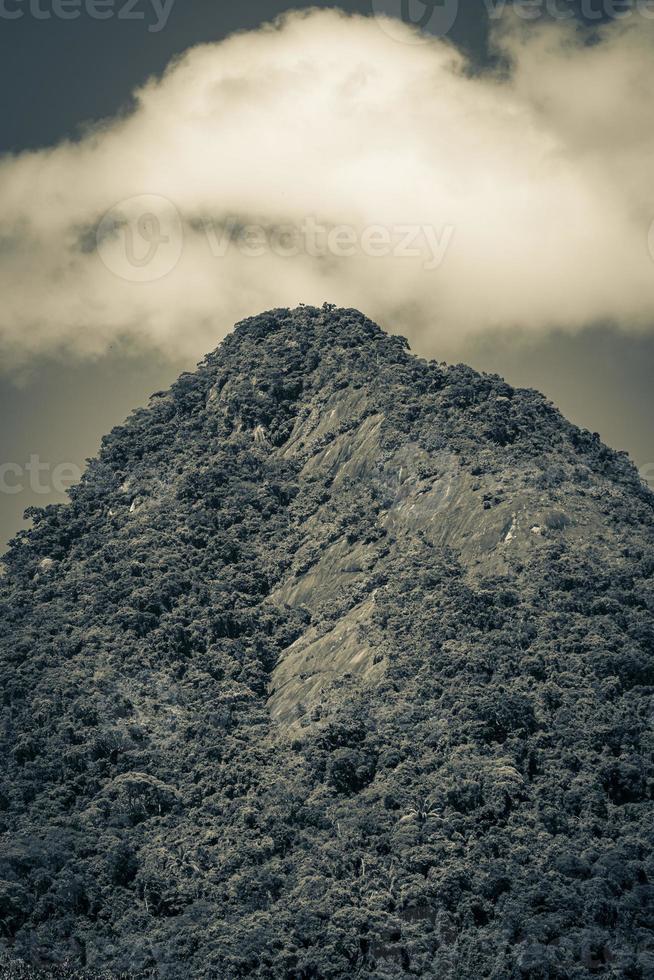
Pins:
x: 479, y: 183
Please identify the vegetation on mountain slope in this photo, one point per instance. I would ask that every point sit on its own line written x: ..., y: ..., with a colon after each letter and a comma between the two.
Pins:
x: 337, y: 664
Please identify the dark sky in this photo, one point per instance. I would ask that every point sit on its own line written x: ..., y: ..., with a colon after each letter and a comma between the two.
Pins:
x: 64, y: 74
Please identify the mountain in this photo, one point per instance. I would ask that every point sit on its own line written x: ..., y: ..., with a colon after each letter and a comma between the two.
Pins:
x: 337, y: 664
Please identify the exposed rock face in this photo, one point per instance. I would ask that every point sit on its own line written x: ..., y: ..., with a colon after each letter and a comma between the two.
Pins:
x: 338, y: 664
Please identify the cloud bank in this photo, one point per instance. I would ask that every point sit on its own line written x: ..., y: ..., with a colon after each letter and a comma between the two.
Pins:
x: 324, y: 159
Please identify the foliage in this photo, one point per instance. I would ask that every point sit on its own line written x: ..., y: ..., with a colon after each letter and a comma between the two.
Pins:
x: 480, y: 811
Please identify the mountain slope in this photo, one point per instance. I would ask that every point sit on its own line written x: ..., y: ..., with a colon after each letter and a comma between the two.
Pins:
x: 339, y: 663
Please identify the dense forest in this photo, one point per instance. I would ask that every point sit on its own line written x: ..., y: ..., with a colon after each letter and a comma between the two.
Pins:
x: 337, y: 664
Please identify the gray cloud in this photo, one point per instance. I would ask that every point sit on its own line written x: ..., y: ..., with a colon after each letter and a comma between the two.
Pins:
x: 462, y: 202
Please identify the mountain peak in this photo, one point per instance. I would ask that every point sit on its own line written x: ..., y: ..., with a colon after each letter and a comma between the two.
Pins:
x: 328, y: 323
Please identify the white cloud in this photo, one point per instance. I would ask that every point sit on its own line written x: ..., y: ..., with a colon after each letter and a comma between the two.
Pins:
x: 530, y: 192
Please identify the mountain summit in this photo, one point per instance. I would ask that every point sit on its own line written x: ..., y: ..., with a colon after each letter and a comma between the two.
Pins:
x: 337, y: 664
